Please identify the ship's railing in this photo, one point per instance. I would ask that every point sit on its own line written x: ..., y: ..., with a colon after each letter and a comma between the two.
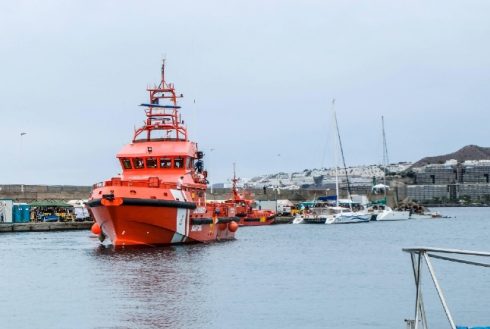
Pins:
x: 159, y: 139
x: 424, y: 254
x: 153, y: 182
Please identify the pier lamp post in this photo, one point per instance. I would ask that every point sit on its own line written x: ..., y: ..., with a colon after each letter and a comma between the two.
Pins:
x: 21, y: 157
x: 22, y: 134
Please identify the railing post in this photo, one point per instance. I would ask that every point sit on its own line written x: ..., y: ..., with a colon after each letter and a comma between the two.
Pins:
x: 439, y: 292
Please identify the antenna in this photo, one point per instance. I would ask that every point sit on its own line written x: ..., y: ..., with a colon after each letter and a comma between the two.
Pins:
x: 163, y: 73
x: 234, y: 181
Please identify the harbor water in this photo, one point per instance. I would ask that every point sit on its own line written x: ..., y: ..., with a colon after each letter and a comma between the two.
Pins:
x: 281, y: 276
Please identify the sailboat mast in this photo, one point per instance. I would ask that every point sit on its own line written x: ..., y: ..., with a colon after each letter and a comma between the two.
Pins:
x: 386, y: 160
x: 336, y: 157
x: 385, y: 155
x: 342, y: 153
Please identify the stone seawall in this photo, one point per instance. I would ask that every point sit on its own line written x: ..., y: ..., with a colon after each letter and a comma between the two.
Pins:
x: 258, y: 194
x: 304, y: 194
x: 293, y: 195
x: 28, y: 193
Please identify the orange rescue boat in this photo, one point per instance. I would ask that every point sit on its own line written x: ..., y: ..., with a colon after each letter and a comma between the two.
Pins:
x: 160, y: 197
x: 249, y: 216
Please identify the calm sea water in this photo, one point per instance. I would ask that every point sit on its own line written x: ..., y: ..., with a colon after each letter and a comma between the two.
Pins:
x: 283, y: 276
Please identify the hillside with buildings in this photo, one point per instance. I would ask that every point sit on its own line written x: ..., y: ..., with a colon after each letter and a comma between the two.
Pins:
x: 469, y: 152
x: 323, y: 177
x: 459, y: 177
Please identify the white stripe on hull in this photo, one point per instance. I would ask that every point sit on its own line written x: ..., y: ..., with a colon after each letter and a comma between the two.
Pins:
x: 181, y: 226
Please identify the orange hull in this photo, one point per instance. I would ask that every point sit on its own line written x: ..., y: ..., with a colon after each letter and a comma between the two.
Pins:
x: 256, y: 221
x: 133, y: 223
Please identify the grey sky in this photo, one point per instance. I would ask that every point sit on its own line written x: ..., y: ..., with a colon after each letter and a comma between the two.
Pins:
x: 262, y: 74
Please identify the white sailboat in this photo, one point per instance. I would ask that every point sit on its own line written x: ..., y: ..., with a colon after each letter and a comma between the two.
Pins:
x: 338, y: 214
x: 387, y: 213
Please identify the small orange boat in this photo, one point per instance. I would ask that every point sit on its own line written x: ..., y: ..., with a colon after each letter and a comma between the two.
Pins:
x: 160, y: 197
x: 245, y: 210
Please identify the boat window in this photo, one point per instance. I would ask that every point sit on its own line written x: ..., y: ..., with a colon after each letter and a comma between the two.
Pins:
x: 126, y: 163
x: 151, y: 163
x: 138, y: 163
x: 179, y: 163
x: 189, y: 163
x: 165, y: 163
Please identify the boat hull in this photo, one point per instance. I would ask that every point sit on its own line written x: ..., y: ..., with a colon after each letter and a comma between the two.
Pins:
x: 314, y: 220
x: 393, y: 215
x: 298, y: 220
x: 256, y: 221
x: 138, y: 223
x: 349, y: 219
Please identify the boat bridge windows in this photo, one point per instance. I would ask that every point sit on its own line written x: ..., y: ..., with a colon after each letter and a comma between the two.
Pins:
x: 189, y: 162
x: 151, y: 162
x: 138, y: 163
x: 165, y: 163
x: 179, y: 163
x: 126, y: 163
x: 157, y: 162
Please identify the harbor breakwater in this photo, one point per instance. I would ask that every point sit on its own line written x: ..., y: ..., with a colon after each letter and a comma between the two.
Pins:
x: 28, y: 193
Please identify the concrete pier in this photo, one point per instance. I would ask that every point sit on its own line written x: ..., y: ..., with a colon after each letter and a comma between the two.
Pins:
x: 44, y: 227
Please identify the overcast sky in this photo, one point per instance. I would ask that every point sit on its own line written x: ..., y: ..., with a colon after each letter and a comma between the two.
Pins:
x: 258, y: 78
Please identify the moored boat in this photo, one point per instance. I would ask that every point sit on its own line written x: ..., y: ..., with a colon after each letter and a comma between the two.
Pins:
x: 382, y: 211
x: 245, y: 210
x: 160, y: 197
x: 318, y: 213
x: 388, y: 214
x: 344, y: 212
x: 348, y: 216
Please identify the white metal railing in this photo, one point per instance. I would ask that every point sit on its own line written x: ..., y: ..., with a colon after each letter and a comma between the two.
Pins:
x: 423, y: 254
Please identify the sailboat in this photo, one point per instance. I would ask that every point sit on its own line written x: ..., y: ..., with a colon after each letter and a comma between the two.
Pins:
x: 342, y: 212
x: 387, y: 213
x: 344, y: 215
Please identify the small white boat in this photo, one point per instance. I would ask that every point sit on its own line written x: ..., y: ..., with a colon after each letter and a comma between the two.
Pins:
x: 389, y: 214
x: 426, y: 215
x: 298, y: 220
x: 319, y: 214
x: 383, y: 212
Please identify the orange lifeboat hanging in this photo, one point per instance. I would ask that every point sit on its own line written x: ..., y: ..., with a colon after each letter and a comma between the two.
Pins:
x: 160, y: 197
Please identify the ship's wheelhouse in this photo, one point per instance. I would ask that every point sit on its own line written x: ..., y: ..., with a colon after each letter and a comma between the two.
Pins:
x: 157, y: 162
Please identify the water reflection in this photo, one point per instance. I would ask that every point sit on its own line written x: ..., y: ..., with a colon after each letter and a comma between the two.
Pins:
x: 156, y: 287
x: 287, y: 276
